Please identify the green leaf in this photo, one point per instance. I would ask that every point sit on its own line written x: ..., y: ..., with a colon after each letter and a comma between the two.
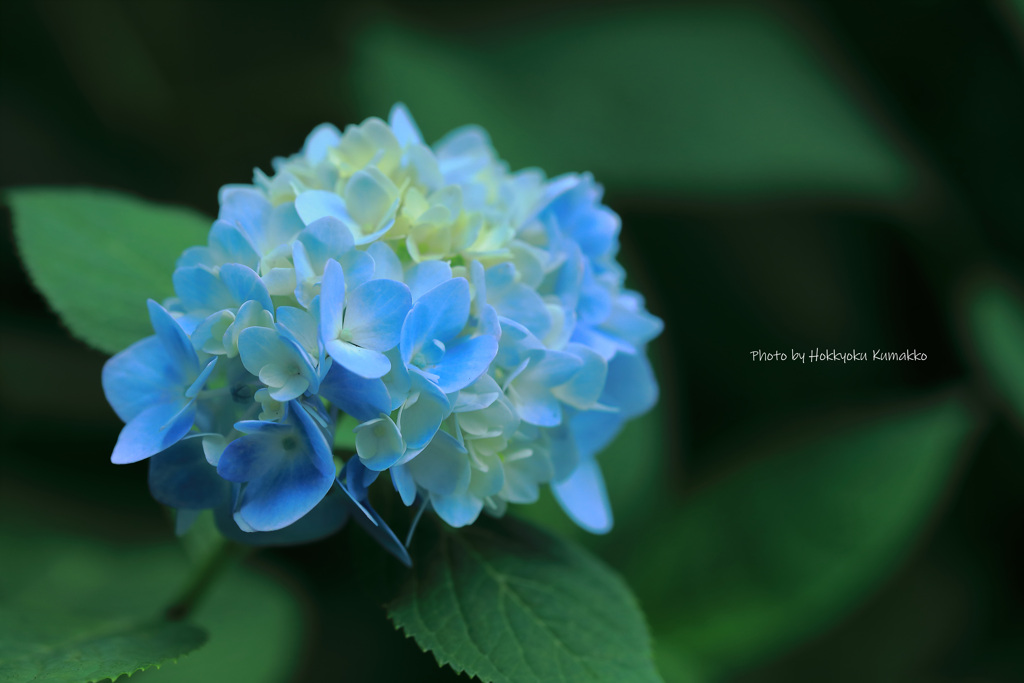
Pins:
x: 995, y: 320
x: 704, y: 100
x: 64, y: 601
x: 64, y: 598
x: 506, y: 602
x: 97, y: 255
x: 257, y: 631
x: 32, y: 652
x: 780, y: 547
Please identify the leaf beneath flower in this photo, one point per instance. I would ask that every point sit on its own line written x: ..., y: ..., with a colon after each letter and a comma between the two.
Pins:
x: 505, y: 602
x: 63, y: 605
x: 97, y: 255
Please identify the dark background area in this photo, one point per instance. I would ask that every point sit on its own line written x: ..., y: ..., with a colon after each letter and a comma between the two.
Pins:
x: 786, y: 245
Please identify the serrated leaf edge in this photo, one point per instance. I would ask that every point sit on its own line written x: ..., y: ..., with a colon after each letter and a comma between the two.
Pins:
x: 570, y: 547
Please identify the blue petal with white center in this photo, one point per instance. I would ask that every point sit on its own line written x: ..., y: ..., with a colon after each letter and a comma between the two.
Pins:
x: 287, y: 468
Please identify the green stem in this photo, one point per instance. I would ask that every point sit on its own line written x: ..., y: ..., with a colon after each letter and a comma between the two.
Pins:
x: 203, y: 578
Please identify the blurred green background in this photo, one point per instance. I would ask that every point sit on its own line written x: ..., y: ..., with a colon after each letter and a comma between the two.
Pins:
x: 791, y: 175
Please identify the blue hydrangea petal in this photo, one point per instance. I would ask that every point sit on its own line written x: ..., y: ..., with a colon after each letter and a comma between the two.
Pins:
x: 404, y: 126
x: 416, y: 332
x: 421, y: 415
x: 379, y: 443
x: 439, y: 314
x: 516, y: 301
x: 531, y: 390
x: 287, y: 471
x: 386, y: 265
x: 329, y: 515
x: 154, y: 429
x: 596, y: 232
x: 372, y: 201
x: 515, y: 344
x: 138, y: 376
x: 180, y: 477
x: 537, y: 406
x: 279, y: 281
x: 420, y: 162
x: 375, y: 312
x: 457, y: 510
x: 357, y: 479
x: 301, y: 327
x: 605, y: 344
x: 249, y: 314
x: 243, y: 284
x: 262, y: 427
x: 363, y: 399
x: 306, y: 279
x: 450, y: 302
x: 196, y: 256
x: 282, y: 226
x: 464, y: 362
x: 245, y: 207
x: 253, y: 455
x: 551, y: 368
x: 478, y: 395
x: 594, y: 430
x: 359, y: 267
x: 314, y: 424
x: 630, y: 321
x: 201, y: 291
x: 276, y: 281
x: 523, y: 476
x: 442, y: 467
x: 584, y: 498
x: 175, y: 342
x: 403, y: 482
x: 489, y: 323
x: 201, y: 380
x: 584, y: 388
x: 364, y: 362
x: 228, y: 244
x: 312, y: 205
x: 557, y: 187
x: 208, y: 337
x: 563, y: 447
x: 332, y: 301
x: 498, y: 418
x: 463, y: 153
x: 291, y: 388
x: 595, y: 301
x: 284, y: 495
x: 374, y: 525
x: 427, y: 275
x: 322, y: 138
x: 397, y: 381
x: 566, y: 281
x: 278, y: 361
x: 631, y: 386
x: 488, y: 477
x: 326, y: 238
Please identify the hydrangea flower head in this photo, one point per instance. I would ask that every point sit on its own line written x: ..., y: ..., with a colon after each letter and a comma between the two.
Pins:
x: 473, y: 321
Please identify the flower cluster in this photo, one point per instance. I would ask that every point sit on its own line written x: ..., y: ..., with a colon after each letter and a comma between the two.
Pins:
x: 472, y: 321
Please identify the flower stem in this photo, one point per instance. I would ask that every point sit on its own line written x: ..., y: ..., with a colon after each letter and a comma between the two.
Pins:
x: 203, y: 578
